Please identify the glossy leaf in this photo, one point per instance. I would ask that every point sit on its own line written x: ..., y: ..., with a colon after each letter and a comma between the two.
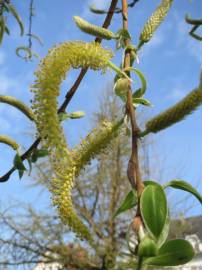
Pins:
x: 153, y: 206
x: 172, y: 253
x: 149, y: 182
x: 179, y: 184
x: 129, y: 202
x: 164, y: 234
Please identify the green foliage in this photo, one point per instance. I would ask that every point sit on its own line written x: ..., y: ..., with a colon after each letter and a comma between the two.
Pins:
x: 155, y: 215
x: 172, y: 253
x: 128, y: 203
x: 179, y: 184
x: 18, y: 164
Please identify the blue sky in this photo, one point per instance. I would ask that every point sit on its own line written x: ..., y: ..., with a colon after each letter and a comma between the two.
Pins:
x: 171, y: 63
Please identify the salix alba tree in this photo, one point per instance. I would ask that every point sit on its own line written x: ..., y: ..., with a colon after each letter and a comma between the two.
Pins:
x: 150, y: 224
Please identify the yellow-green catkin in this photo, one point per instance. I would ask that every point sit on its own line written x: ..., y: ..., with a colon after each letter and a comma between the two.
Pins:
x: 18, y: 105
x: 96, y: 142
x: 52, y: 70
x: 94, y: 30
x: 155, y: 20
x: 177, y: 112
x: 7, y: 140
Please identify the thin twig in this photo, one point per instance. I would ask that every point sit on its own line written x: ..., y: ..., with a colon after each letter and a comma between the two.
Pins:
x: 69, y: 94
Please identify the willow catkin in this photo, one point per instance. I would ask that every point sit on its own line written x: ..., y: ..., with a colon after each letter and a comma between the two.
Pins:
x: 18, y: 105
x: 94, y: 30
x: 9, y: 141
x: 96, y: 141
x: 177, y: 112
x: 51, y: 72
x: 155, y: 20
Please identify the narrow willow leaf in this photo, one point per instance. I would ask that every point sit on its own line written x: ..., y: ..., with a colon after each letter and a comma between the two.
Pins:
x: 2, y: 28
x: 93, y: 29
x: 96, y: 10
x: 172, y: 253
x: 36, y: 37
x: 129, y: 202
x: 29, y: 160
x: 179, y: 184
x: 26, y: 50
x: 18, y: 164
x: 17, y: 17
x: 153, y: 206
x: 140, y: 92
x: 143, y: 101
x: 7, y: 30
x: 39, y: 153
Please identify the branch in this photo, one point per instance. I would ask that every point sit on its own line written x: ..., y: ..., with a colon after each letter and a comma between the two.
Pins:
x: 69, y: 94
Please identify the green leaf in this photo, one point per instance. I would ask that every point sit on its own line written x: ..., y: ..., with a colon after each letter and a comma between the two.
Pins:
x: 29, y: 160
x: 139, y: 92
x: 129, y: 202
x: 96, y: 10
x: 164, y: 234
x: 17, y: 17
x: 149, y: 182
x: 2, y: 28
x: 36, y: 37
x: 18, y: 164
x: 142, y: 101
x: 26, y: 50
x: 172, y: 253
x: 153, y: 206
x: 179, y: 184
x: 147, y: 248
x: 39, y: 153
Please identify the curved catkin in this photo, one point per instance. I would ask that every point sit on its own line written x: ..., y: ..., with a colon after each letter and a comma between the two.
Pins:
x: 18, y: 105
x: 155, y: 20
x: 94, y: 143
x: 51, y: 72
x: 94, y: 30
x: 7, y: 140
x: 177, y: 112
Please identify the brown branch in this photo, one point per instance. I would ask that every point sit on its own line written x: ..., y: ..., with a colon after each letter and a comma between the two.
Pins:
x: 69, y: 94
x: 133, y: 170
